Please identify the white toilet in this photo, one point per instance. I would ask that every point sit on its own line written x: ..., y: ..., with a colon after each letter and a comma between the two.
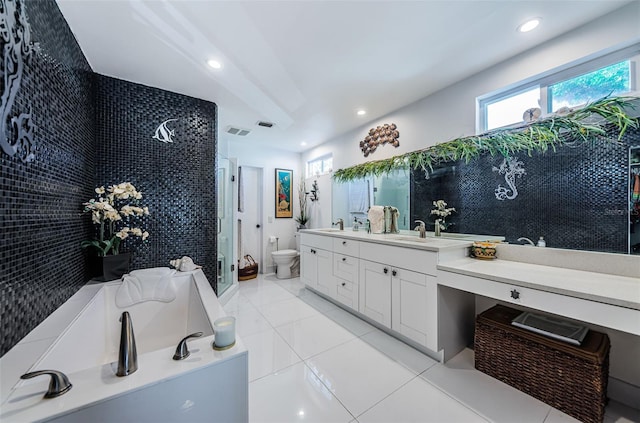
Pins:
x: 285, y: 259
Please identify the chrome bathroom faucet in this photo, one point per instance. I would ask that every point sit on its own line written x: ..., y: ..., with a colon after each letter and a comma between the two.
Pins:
x: 128, y: 354
x: 422, y: 228
x: 527, y: 240
x: 340, y: 224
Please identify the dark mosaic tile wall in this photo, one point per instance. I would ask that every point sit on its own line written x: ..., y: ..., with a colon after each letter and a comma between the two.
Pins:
x: 41, y: 264
x: 177, y: 179
x: 576, y: 197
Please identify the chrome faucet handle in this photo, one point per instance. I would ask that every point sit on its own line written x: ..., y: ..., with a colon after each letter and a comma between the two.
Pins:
x: 58, y: 385
x: 182, y: 351
x: 420, y: 222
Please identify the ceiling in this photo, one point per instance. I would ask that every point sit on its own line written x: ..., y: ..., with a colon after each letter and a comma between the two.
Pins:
x: 307, y: 66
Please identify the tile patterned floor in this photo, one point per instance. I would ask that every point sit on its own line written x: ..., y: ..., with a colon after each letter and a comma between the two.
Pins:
x: 311, y: 361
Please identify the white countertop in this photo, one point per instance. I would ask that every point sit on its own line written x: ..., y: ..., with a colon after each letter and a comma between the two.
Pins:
x: 408, y: 239
x: 617, y: 290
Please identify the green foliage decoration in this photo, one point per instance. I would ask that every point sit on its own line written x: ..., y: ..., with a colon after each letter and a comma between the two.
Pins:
x: 582, y: 125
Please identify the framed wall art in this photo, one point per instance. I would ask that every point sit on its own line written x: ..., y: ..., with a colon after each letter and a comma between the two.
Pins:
x: 284, y: 207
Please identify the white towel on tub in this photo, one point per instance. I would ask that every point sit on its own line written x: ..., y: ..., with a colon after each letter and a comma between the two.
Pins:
x: 155, y: 284
x: 376, y: 219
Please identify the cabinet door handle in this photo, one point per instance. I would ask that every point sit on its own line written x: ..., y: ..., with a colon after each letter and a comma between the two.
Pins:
x: 344, y: 259
x: 515, y: 294
x: 313, y: 251
x: 344, y: 242
x: 386, y: 270
x: 394, y: 273
x: 344, y: 283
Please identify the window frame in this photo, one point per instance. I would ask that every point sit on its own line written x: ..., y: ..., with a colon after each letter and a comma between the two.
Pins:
x: 322, y: 159
x: 560, y: 74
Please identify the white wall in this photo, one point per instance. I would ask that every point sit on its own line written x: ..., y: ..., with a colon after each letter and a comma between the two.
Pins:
x: 269, y: 159
x: 451, y: 113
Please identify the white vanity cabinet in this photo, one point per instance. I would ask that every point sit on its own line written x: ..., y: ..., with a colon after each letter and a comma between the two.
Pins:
x: 346, y: 271
x: 317, y: 264
x: 375, y: 291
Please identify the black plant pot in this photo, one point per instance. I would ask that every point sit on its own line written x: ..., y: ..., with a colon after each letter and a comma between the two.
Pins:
x: 109, y: 268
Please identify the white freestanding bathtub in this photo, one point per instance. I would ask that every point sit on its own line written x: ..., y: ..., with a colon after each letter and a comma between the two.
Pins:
x: 209, y: 385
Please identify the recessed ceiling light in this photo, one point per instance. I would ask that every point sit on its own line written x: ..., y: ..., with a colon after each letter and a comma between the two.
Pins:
x: 529, y: 25
x: 214, y: 64
x: 303, y: 143
x: 361, y: 112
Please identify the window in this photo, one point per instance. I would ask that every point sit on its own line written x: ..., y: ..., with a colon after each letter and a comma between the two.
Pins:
x: 320, y: 166
x: 573, y: 86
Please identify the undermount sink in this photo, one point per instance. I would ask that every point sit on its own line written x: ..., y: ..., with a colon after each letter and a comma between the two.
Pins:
x: 454, y: 236
x: 410, y: 238
x: 329, y: 230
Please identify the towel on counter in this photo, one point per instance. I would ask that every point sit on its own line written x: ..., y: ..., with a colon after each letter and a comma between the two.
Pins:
x: 154, y: 284
x: 376, y: 219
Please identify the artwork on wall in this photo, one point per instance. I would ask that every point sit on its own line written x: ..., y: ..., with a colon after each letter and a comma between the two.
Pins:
x: 510, y: 168
x: 164, y: 133
x: 283, y: 193
x: 381, y: 135
x: 16, y: 138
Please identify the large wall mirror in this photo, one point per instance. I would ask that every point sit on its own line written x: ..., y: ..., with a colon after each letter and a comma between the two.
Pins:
x: 583, y: 196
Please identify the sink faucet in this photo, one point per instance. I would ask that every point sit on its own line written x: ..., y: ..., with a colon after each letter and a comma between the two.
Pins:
x: 527, y: 240
x: 340, y: 224
x: 437, y: 228
x: 128, y: 355
x: 422, y: 228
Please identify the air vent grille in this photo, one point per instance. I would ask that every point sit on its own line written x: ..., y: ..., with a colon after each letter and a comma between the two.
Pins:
x: 265, y: 124
x: 237, y: 131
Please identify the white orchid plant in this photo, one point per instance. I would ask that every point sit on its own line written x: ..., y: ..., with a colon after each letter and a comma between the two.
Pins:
x: 442, y: 211
x: 114, y: 210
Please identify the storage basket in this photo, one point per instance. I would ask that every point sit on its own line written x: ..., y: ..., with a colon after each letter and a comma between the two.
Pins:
x: 249, y: 271
x: 570, y: 378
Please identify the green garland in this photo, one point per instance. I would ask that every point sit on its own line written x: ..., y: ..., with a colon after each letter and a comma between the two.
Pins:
x: 550, y: 132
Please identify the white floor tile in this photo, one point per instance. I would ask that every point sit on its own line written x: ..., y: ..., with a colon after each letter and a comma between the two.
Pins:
x: 267, y: 294
x: 292, y: 285
x: 353, y: 324
x: 556, y: 416
x: 419, y: 401
x: 237, y: 303
x: 487, y: 396
x: 250, y: 321
x: 398, y: 351
x: 317, y: 302
x: 313, y: 335
x: 358, y: 374
x: 268, y: 353
x: 620, y: 413
x: 294, y: 394
x: 287, y: 311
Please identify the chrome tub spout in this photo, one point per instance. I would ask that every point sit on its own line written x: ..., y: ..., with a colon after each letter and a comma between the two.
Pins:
x: 128, y: 355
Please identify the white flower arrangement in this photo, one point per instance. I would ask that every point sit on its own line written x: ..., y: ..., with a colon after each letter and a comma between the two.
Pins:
x: 442, y: 211
x: 105, y: 213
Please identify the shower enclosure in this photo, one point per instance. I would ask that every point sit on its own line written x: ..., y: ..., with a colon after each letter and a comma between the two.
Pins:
x: 225, y: 199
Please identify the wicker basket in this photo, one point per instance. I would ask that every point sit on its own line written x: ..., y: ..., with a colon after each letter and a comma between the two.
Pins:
x: 570, y: 378
x: 250, y: 269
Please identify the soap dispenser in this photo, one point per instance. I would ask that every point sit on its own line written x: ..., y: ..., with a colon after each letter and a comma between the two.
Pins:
x: 356, y: 224
x: 542, y: 242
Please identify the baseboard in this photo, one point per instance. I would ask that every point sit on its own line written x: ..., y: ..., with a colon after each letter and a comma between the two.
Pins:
x: 623, y: 392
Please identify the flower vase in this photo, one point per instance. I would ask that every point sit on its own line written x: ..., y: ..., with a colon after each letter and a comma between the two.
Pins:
x: 109, y: 268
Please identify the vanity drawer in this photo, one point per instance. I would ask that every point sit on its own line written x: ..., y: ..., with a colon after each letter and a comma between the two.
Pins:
x: 345, y: 267
x: 347, y: 293
x: 346, y: 246
x: 406, y: 258
x: 317, y: 241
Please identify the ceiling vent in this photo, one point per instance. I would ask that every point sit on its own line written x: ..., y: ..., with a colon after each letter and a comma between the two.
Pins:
x: 237, y: 131
x: 265, y: 124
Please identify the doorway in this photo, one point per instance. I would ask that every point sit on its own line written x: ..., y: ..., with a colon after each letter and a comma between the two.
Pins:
x: 250, y: 211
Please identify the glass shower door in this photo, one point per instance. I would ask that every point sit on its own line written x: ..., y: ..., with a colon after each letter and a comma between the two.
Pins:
x: 224, y: 199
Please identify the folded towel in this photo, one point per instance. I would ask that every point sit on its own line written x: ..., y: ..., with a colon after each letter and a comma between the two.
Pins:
x: 154, y: 284
x: 376, y: 219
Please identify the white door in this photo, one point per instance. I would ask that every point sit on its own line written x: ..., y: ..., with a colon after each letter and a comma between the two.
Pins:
x: 309, y: 266
x: 413, y: 301
x: 251, y: 215
x: 375, y: 291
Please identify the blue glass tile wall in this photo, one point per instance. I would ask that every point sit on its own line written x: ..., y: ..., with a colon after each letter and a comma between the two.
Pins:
x: 176, y: 178
x: 91, y: 130
x: 575, y: 198
x: 41, y: 201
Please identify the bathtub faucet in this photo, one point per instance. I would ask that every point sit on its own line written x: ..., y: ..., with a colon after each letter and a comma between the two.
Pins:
x: 128, y: 355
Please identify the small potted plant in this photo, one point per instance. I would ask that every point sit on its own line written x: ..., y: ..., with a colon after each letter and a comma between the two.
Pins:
x: 441, y: 211
x: 303, y: 217
x: 114, y: 211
